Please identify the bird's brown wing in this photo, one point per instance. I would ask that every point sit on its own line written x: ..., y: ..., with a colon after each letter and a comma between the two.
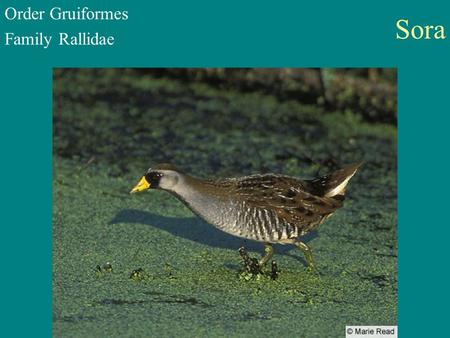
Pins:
x: 286, y: 196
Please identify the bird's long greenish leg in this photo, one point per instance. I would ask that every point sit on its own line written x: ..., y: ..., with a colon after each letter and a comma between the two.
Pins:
x: 308, y: 255
x: 268, y: 249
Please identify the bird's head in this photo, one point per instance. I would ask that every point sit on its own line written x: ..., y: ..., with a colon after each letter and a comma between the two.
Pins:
x: 162, y: 176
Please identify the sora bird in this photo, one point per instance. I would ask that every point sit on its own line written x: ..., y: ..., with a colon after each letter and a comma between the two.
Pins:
x: 269, y: 208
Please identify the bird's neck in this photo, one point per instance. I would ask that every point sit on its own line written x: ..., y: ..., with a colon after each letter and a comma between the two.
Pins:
x: 190, y: 187
x: 199, y: 195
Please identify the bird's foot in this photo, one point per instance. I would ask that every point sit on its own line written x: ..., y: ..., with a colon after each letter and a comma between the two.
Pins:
x: 274, y: 271
x: 312, y: 269
x: 251, y: 264
x: 254, y: 269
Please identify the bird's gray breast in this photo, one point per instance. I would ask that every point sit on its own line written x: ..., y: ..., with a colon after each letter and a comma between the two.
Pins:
x: 238, y: 218
x: 221, y: 213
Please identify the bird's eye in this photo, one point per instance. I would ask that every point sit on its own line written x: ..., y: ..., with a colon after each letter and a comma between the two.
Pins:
x: 153, y: 178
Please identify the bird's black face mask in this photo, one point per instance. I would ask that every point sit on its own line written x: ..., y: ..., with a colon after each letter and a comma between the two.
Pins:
x: 149, y: 180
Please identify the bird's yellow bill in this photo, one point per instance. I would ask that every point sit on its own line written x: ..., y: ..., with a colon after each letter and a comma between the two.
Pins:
x: 141, y: 186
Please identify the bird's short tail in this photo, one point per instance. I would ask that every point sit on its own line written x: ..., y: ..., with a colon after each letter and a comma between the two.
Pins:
x: 334, y: 184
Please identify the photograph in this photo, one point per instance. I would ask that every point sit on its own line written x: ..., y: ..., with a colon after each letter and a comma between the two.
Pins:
x: 223, y: 202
